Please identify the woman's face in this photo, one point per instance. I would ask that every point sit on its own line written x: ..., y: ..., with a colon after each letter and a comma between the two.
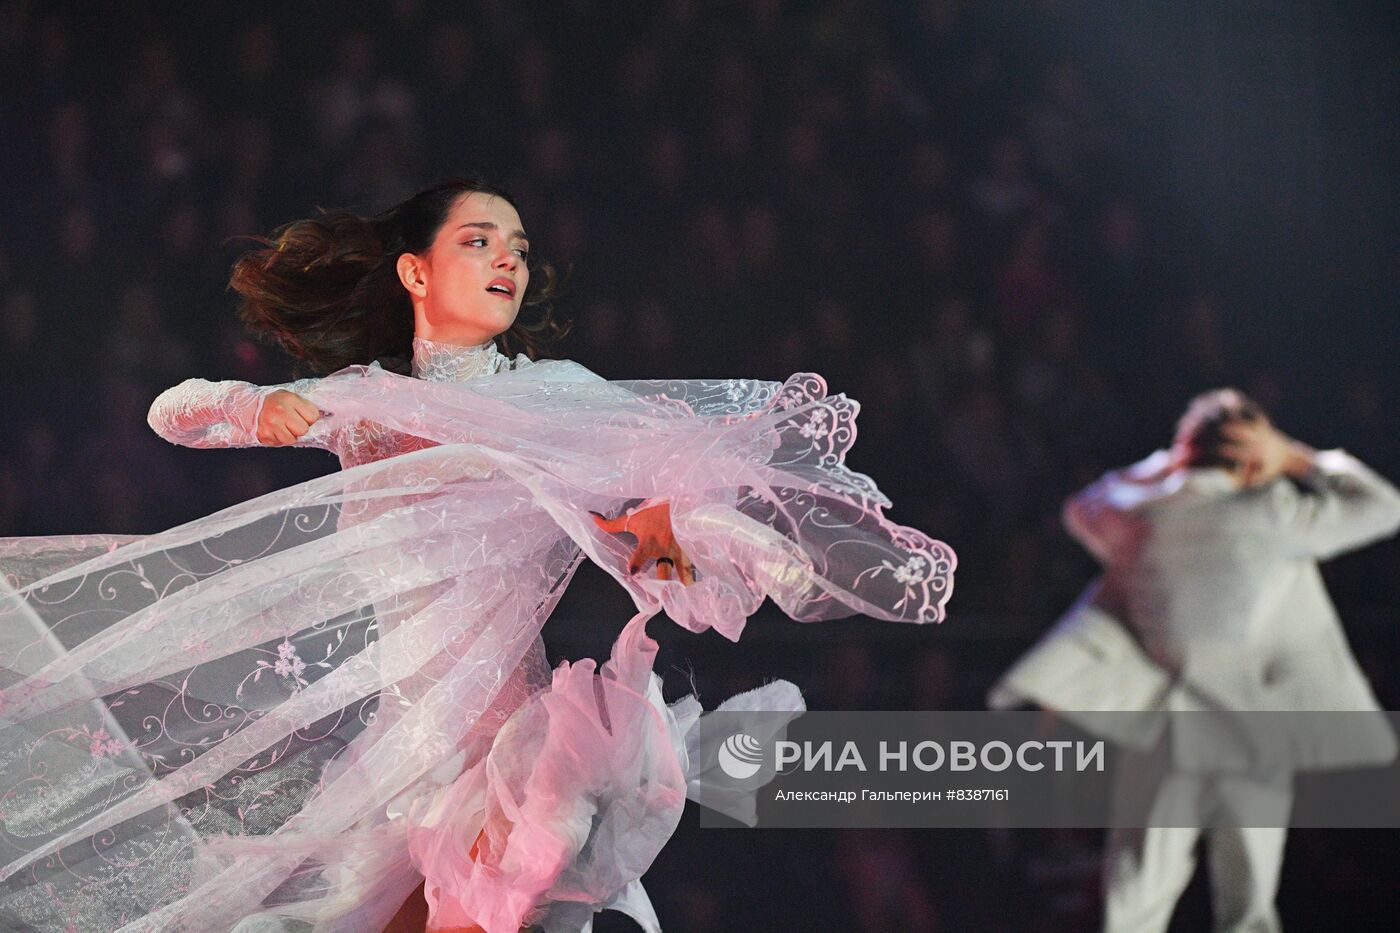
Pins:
x: 468, y: 286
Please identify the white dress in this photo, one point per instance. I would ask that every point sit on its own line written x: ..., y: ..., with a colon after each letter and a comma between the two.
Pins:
x: 285, y: 715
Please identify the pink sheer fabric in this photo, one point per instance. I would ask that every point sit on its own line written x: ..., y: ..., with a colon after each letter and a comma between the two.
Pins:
x: 254, y: 720
x: 579, y: 792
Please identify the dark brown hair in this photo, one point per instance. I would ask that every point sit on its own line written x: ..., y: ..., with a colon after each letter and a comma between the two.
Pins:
x: 327, y: 288
x: 1200, y: 430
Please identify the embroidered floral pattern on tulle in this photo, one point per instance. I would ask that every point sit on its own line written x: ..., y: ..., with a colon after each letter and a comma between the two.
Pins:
x: 911, y: 572
x: 288, y: 664
x: 100, y: 744
x: 292, y: 666
x: 815, y: 426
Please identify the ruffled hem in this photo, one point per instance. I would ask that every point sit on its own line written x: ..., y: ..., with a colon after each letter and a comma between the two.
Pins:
x: 224, y: 721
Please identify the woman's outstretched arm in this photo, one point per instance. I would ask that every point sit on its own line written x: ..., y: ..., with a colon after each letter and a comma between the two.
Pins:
x: 200, y: 413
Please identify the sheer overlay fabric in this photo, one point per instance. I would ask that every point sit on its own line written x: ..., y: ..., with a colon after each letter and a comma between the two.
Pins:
x: 284, y: 715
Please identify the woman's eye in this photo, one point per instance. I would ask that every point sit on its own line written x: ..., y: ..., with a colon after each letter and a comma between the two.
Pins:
x: 524, y: 253
x: 476, y: 240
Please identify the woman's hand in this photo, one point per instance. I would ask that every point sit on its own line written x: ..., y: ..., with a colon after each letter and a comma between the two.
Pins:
x: 651, y: 527
x: 284, y: 418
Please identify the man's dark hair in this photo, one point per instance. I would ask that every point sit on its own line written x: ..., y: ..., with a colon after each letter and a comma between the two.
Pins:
x: 1200, y: 430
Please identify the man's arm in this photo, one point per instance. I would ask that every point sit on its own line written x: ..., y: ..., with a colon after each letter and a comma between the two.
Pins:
x: 1099, y: 524
x: 1083, y: 518
x: 1091, y: 520
x: 1346, y: 505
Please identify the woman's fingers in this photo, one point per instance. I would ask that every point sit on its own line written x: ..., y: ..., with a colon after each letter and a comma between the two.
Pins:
x: 675, y: 567
x: 647, y: 550
x: 306, y: 410
x: 291, y: 429
x: 284, y: 418
x: 612, y: 526
x: 651, y: 527
x: 667, y: 567
x: 296, y: 424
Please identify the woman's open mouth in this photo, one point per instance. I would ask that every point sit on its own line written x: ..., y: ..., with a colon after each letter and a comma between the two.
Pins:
x: 501, y: 286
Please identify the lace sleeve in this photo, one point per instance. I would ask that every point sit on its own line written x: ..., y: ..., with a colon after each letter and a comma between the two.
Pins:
x: 200, y: 413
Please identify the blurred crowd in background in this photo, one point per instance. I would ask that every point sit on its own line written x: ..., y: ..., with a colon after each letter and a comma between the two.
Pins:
x: 938, y: 206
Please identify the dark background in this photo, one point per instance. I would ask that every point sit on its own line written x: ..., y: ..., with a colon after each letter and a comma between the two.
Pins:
x: 1022, y: 234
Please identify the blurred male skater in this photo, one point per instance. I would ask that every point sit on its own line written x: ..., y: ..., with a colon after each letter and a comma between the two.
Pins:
x: 1210, y: 557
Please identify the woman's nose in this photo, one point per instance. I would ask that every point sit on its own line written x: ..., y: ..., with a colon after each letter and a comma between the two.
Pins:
x: 506, y: 260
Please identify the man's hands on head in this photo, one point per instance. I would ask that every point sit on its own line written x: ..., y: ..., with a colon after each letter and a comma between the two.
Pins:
x: 651, y: 527
x: 284, y: 418
x: 1263, y: 452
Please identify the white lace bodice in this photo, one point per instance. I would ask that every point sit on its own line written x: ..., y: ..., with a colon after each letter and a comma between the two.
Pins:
x: 201, y: 413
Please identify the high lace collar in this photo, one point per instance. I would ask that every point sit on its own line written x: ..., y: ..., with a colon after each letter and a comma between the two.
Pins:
x: 448, y: 362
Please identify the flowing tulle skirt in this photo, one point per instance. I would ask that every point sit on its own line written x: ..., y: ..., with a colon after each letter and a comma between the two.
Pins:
x: 286, y: 715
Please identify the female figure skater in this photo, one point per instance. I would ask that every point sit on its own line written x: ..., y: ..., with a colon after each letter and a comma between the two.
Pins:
x: 290, y: 713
